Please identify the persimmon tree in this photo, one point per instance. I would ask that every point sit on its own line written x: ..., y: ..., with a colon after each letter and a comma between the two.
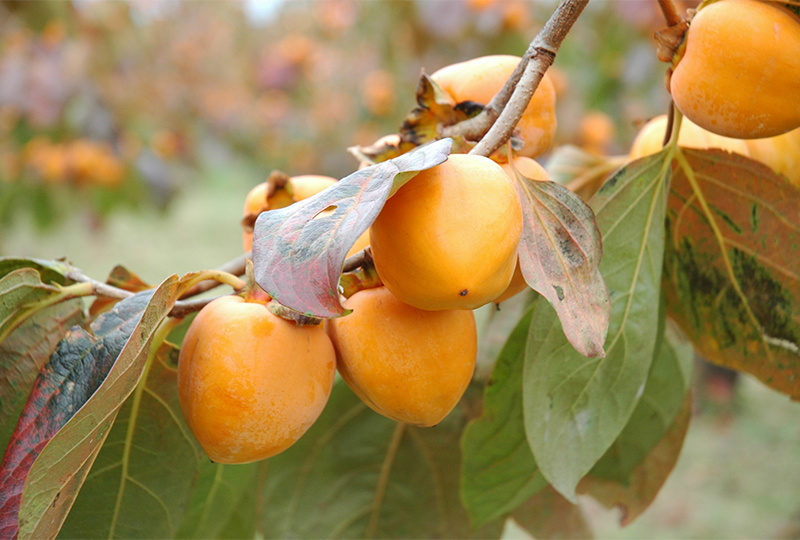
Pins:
x: 634, y: 263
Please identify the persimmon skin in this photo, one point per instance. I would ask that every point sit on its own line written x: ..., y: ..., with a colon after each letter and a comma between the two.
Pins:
x: 250, y: 384
x: 448, y: 238
x: 738, y: 76
x: 407, y: 364
x: 781, y: 153
x: 481, y: 78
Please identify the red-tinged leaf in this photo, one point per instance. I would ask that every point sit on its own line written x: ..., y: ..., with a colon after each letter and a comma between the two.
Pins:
x: 648, y: 477
x: 559, y: 254
x: 298, y: 252
x: 122, y: 278
x: 70, y: 410
x: 549, y: 515
x: 732, y: 265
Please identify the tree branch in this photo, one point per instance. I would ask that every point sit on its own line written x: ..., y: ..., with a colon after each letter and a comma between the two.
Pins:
x: 670, y: 12
x: 541, y: 53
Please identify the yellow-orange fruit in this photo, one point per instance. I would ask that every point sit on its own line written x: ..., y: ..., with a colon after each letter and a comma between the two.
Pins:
x: 650, y: 138
x: 250, y: 384
x: 781, y: 153
x: 530, y: 169
x: 408, y: 364
x: 448, y: 238
x: 481, y: 78
x: 740, y: 73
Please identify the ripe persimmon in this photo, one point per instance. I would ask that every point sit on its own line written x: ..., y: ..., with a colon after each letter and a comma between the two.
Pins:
x: 738, y: 75
x: 481, y: 78
x: 448, y: 238
x: 781, y: 153
x: 408, y: 364
x: 250, y: 383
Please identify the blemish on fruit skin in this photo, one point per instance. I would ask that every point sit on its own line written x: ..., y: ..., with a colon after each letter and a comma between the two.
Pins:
x: 463, y: 293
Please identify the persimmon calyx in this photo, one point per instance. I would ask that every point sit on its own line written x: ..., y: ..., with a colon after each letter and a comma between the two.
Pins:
x: 300, y: 319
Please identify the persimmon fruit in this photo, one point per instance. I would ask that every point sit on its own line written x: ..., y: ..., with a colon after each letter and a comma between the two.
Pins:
x: 250, y: 383
x: 448, y: 238
x: 738, y: 74
x: 481, y: 78
x: 781, y: 153
x: 408, y: 364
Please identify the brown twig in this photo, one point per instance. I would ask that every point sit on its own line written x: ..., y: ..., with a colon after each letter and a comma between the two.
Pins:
x: 358, y: 260
x: 98, y: 288
x: 671, y: 15
x: 541, y: 53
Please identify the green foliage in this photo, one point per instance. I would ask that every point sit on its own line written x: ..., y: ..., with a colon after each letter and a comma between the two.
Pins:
x: 730, y: 276
x: 356, y: 474
x: 576, y: 407
x: 498, y: 472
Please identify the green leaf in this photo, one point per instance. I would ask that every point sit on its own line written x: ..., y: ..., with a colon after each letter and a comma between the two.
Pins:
x: 498, y: 472
x: 30, y: 342
x: 356, y: 474
x: 221, y: 500
x: 731, y: 278
x: 59, y: 470
x: 559, y: 254
x: 50, y: 271
x: 667, y: 384
x: 575, y: 407
x: 648, y: 477
x: 549, y: 515
x: 298, y: 252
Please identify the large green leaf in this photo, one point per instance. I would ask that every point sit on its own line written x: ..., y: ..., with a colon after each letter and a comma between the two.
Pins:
x: 59, y: 470
x: 575, y: 407
x: 498, y: 472
x: 356, y: 474
x: 732, y: 267
x: 635, y: 496
x: 667, y: 384
x: 30, y: 342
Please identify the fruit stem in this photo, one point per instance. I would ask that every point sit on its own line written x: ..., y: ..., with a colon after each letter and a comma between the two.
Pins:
x: 234, y: 266
x: 538, y: 58
x: 361, y: 276
x: 670, y: 11
x: 217, y: 275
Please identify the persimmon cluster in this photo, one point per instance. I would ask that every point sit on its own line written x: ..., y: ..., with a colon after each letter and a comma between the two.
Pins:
x: 251, y: 383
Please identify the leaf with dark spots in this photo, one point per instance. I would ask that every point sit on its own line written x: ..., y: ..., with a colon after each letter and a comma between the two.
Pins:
x: 498, y: 472
x: 635, y: 496
x: 69, y: 412
x: 435, y: 108
x: 559, y: 254
x: 298, y: 251
x: 732, y: 264
x: 122, y: 278
x: 576, y: 407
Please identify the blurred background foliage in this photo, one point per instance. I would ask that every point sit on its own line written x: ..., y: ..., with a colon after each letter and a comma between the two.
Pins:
x: 131, y: 131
